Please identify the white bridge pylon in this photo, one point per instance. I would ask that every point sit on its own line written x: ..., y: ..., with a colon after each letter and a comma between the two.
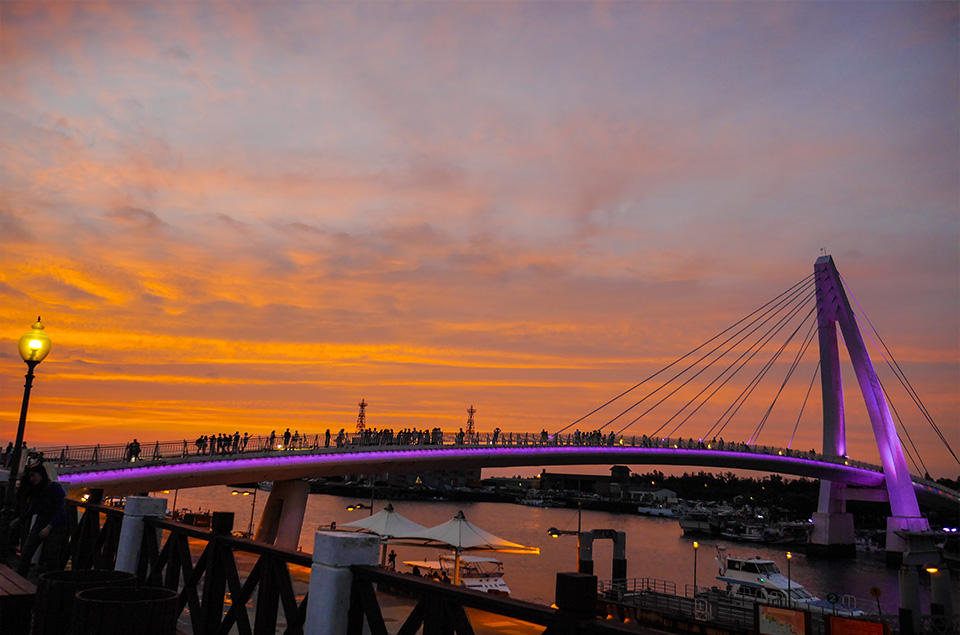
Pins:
x: 833, y: 526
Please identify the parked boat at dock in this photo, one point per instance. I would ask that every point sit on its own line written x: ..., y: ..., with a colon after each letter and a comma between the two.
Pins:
x: 759, y: 580
x: 477, y: 573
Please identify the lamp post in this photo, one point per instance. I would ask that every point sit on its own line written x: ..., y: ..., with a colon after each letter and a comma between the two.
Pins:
x: 789, y: 582
x: 253, y: 506
x: 553, y: 532
x: 350, y: 508
x: 696, y: 548
x: 34, y: 346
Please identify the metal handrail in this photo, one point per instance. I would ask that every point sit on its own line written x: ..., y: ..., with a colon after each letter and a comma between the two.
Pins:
x: 183, y: 448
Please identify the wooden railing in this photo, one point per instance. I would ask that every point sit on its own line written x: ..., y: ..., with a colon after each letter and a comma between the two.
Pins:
x: 94, y: 533
x: 440, y: 608
x: 203, y: 584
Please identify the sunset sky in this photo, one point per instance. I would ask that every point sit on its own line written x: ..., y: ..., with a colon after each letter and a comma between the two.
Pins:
x: 249, y: 216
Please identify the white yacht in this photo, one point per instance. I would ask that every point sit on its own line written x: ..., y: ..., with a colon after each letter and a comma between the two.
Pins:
x: 759, y: 580
x: 476, y: 572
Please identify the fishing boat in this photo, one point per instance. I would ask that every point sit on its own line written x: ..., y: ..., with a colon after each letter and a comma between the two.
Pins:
x: 747, y: 532
x: 662, y: 512
x: 759, y: 580
x: 699, y: 522
x: 478, y: 573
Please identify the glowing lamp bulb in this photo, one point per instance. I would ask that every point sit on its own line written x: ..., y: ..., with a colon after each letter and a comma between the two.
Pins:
x: 34, y: 345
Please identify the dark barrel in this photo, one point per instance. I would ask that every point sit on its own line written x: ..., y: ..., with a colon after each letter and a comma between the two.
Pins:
x: 124, y: 611
x: 56, y: 592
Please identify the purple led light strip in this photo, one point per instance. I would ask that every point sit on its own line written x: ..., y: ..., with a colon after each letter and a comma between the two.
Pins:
x: 519, y: 456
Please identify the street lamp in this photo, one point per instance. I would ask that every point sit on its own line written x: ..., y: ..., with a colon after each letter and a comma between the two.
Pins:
x: 553, y: 532
x: 350, y: 508
x: 789, y: 581
x: 34, y: 346
x: 696, y: 548
x: 253, y: 506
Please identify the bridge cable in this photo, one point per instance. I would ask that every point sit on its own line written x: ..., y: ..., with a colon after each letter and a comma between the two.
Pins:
x: 901, y: 376
x: 745, y: 362
x: 790, y: 290
x: 810, y: 294
x: 755, y: 347
x: 907, y: 434
x: 800, y: 353
x: 716, y: 379
x: 692, y: 400
x: 803, y: 406
x: 756, y: 381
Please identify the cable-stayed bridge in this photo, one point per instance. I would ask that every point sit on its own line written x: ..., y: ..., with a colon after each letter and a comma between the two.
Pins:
x: 689, y: 386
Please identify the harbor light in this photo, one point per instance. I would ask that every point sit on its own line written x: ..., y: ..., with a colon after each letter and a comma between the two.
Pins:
x: 253, y: 507
x: 34, y: 346
x: 789, y: 582
x: 696, y: 548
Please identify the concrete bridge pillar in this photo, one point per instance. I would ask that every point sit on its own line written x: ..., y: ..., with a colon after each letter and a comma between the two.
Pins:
x: 131, y: 531
x: 833, y: 533
x: 833, y: 530
x: 282, y: 517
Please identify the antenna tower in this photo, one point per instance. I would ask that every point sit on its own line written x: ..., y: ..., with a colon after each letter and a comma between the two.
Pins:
x: 362, y: 417
x: 470, y: 411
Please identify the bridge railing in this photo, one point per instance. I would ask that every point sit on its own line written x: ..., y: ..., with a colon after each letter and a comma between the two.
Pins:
x: 81, y: 455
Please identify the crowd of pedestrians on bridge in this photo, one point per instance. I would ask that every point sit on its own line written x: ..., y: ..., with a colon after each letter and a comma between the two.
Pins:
x: 224, y: 444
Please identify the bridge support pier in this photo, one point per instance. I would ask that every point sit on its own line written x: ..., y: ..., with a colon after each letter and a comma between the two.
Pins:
x: 832, y: 535
x: 898, y: 545
x: 282, y: 517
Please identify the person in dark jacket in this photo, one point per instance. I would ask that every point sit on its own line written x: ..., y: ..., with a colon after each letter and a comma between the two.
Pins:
x: 49, y: 527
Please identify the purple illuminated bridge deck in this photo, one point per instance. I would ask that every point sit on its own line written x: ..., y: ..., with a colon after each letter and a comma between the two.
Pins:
x: 197, y: 471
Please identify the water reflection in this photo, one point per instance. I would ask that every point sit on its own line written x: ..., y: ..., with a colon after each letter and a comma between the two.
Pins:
x: 656, y: 547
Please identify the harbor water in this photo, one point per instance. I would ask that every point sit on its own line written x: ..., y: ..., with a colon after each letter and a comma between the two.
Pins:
x: 656, y: 547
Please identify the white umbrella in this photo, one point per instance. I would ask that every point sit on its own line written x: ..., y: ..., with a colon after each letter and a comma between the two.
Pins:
x: 387, y: 523
x: 462, y: 535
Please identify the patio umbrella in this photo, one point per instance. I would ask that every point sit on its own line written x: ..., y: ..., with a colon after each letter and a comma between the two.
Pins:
x: 387, y: 524
x: 462, y: 535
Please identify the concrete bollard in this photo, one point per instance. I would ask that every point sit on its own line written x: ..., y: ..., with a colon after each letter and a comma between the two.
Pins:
x: 330, y: 578
x: 131, y: 531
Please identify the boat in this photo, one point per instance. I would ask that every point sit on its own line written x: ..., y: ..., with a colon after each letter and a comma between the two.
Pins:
x: 788, y: 533
x: 477, y: 573
x: 747, y: 532
x: 759, y: 580
x: 699, y: 522
x: 663, y: 512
